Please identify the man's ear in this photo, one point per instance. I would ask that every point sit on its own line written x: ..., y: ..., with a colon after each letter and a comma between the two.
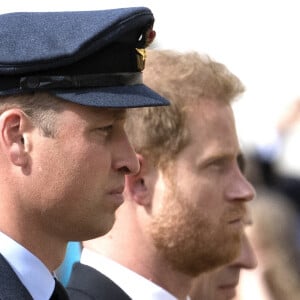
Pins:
x: 139, y: 187
x: 13, y: 136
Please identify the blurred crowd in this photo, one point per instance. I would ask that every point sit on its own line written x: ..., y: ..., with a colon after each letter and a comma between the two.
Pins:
x: 274, y: 170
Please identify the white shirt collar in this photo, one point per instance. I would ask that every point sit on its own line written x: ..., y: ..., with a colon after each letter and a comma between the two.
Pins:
x: 134, y: 285
x: 31, y: 271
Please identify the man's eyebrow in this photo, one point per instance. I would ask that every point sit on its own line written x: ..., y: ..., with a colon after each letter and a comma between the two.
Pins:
x: 241, y: 160
x: 119, y: 114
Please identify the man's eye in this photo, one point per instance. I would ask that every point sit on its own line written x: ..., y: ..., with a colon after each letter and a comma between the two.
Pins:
x: 217, y: 163
x: 106, y: 129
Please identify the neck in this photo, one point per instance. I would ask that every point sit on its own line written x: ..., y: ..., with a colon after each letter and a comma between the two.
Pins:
x: 50, y: 251
x: 141, y: 257
x: 30, y: 230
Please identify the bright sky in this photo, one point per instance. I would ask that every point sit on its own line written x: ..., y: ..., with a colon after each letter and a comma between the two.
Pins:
x: 258, y: 40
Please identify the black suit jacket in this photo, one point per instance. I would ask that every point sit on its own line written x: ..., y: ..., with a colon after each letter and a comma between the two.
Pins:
x: 87, y: 283
x: 11, y: 288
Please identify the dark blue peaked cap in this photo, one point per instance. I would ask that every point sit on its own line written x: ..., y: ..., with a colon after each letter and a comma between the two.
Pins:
x: 92, y: 58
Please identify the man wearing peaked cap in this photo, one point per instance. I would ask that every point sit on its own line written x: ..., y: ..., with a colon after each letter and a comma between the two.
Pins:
x: 66, y: 80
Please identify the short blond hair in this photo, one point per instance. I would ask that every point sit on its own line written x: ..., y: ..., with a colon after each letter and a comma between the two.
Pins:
x: 184, y: 78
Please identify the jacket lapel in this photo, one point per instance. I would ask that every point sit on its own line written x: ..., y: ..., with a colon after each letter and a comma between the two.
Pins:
x: 88, y: 283
x: 11, y: 286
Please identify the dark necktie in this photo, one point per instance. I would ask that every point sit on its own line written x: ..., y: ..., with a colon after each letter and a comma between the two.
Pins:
x: 59, y: 292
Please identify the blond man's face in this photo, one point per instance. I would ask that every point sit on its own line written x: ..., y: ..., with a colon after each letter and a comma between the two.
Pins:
x: 198, y: 207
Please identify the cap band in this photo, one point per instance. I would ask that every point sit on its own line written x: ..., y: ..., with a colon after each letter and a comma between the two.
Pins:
x: 44, y: 82
x: 79, y: 81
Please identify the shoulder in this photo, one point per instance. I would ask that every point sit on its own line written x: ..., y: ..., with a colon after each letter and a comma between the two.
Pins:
x: 87, y: 283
